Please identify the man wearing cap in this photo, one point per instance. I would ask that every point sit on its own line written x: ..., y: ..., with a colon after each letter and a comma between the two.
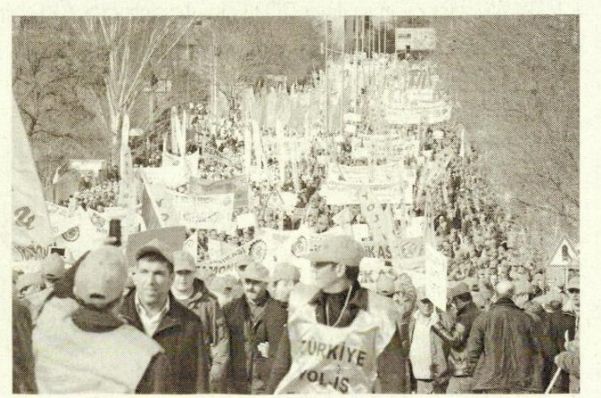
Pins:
x: 503, y: 352
x: 152, y: 309
x: 337, y: 329
x: 245, y: 320
x: 428, y: 351
x: 193, y: 294
x: 456, y: 337
x: 79, y: 342
x: 283, y: 279
x: 395, y: 288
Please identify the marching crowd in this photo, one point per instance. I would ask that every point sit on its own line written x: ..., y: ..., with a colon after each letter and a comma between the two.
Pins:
x: 164, y: 325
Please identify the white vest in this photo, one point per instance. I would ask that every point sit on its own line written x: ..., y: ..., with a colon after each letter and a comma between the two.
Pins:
x: 70, y: 360
x: 327, y: 359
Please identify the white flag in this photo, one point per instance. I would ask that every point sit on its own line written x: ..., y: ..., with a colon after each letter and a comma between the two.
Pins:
x: 31, y: 224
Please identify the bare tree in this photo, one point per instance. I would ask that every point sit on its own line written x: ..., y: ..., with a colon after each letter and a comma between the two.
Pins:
x: 242, y: 50
x: 516, y: 79
x: 125, y: 48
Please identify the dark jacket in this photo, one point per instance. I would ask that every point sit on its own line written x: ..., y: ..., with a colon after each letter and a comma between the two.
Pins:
x: 23, y: 364
x: 503, y: 351
x: 391, y: 363
x: 555, y: 327
x: 456, y: 338
x: 205, y: 305
x: 247, y: 371
x: 276, y: 317
x: 180, y: 334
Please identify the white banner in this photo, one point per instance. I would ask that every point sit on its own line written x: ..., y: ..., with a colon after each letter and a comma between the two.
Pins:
x: 204, y: 212
x: 383, y: 174
x: 436, y: 277
x: 341, y: 193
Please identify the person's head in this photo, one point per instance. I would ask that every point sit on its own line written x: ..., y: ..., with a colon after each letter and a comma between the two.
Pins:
x: 521, y: 293
x: 285, y: 277
x: 335, y: 261
x: 223, y: 287
x: 255, y: 278
x: 29, y: 283
x: 53, y: 268
x: 460, y: 295
x: 184, y: 267
x: 424, y: 305
x: 385, y: 285
x: 154, y: 273
x: 504, y: 289
x: 573, y: 289
x: 101, y: 278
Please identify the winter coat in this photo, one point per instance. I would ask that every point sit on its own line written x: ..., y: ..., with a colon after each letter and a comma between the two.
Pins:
x: 205, y: 305
x: 456, y: 337
x: 503, y: 350
x: 247, y: 371
x: 180, y: 333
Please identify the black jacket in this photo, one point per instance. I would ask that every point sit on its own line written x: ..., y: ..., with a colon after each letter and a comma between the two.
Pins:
x: 503, y: 350
x: 180, y: 334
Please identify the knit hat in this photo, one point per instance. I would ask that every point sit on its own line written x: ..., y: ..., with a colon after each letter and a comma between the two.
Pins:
x: 101, y: 276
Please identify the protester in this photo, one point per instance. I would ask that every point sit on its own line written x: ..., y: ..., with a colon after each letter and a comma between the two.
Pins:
x: 193, y: 294
x: 336, y: 311
x: 283, y: 279
x: 152, y: 309
x: 245, y: 320
x: 428, y: 351
x: 503, y: 353
x: 456, y: 337
x: 78, y: 344
x: 23, y: 363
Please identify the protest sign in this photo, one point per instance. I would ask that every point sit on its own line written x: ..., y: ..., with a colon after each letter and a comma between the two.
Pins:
x: 167, y: 176
x: 415, y: 228
x: 370, y: 269
x: 191, y: 245
x: 246, y: 220
x: 62, y: 218
x: 436, y: 277
x: 377, y: 219
x: 172, y: 237
x: 342, y: 193
x: 170, y: 160
x: 237, y: 185
x: 204, y: 212
x: 83, y: 237
x: 383, y: 174
x: 343, y: 217
x: 360, y: 231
